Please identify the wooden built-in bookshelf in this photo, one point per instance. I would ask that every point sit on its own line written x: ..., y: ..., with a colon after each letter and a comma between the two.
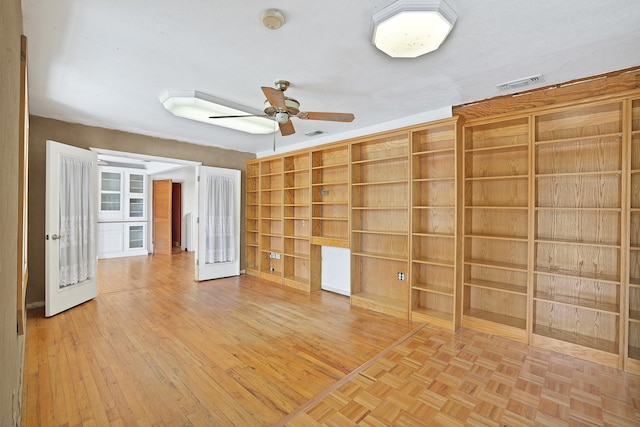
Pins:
x: 435, y: 175
x: 577, y: 271
x: 380, y: 223
x: 524, y: 225
x: 496, y: 216
x: 297, y: 221
x: 330, y: 196
x: 632, y: 310
x: 271, y: 219
x: 252, y: 219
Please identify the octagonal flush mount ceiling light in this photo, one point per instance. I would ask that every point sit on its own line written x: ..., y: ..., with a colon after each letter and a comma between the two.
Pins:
x: 194, y: 105
x: 410, y: 28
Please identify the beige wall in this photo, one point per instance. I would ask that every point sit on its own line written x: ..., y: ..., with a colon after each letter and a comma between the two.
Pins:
x: 42, y: 129
x: 11, y: 345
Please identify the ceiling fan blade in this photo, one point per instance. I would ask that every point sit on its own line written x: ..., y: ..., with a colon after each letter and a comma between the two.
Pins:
x: 275, y: 97
x: 333, y: 117
x: 235, y: 117
x: 287, y: 128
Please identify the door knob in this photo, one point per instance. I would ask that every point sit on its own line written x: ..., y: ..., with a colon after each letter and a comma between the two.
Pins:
x: 56, y: 237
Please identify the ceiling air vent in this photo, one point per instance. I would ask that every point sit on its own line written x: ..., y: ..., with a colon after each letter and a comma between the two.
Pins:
x: 521, y: 83
x: 314, y: 133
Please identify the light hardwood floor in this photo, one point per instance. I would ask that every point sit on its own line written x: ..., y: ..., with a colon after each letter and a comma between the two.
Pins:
x: 157, y: 348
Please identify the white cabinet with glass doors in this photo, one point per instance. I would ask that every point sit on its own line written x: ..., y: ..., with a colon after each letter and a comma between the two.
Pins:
x: 123, y: 215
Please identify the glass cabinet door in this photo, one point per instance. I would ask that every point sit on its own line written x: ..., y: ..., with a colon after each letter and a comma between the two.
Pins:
x: 136, y: 195
x: 110, y: 195
x: 136, y: 236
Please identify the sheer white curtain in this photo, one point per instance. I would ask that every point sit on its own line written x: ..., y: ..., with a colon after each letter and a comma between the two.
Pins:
x: 219, y: 226
x: 78, y: 243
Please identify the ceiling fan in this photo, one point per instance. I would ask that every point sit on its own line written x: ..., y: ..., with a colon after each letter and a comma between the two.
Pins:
x: 282, y: 108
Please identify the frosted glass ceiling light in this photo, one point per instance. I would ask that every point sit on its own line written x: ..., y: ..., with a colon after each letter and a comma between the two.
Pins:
x: 199, y: 106
x: 407, y: 29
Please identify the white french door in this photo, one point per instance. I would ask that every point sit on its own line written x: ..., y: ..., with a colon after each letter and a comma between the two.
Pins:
x: 70, y: 227
x: 218, y: 253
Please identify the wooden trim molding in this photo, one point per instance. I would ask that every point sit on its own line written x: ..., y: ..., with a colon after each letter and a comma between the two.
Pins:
x: 574, y: 90
x: 22, y: 188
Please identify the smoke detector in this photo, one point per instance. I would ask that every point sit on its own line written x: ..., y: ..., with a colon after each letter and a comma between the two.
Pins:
x: 272, y: 19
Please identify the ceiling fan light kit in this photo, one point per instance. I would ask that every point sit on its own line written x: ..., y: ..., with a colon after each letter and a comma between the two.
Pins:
x: 410, y: 28
x: 199, y: 106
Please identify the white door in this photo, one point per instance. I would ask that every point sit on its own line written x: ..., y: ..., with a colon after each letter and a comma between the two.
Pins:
x: 71, y: 227
x: 218, y: 253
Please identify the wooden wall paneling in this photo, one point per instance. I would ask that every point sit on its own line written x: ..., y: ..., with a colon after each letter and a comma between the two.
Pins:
x: 579, y: 220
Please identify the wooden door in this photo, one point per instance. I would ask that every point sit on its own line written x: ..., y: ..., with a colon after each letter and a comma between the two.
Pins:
x: 162, y: 216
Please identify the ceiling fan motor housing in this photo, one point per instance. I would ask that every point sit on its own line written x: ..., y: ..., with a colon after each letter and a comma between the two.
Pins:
x: 293, y: 107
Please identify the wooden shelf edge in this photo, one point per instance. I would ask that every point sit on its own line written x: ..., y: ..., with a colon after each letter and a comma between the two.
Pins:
x: 433, y: 317
x: 380, y: 304
x: 497, y: 286
x: 272, y: 277
x: 299, y: 283
x: 611, y: 309
x: 330, y: 241
x: 576, y: 350
x: 489, y: 327
x: 433, y: 289
x: 589, y: 138
x: 586, y: 276
x: 632, y: 365
x: 252, y: 272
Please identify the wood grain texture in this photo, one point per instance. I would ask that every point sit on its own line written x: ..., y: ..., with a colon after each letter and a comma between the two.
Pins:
x: 157, y: 348
x: 572, y: 91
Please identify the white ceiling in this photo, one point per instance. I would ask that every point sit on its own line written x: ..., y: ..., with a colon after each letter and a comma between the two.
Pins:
x: 106, y: 62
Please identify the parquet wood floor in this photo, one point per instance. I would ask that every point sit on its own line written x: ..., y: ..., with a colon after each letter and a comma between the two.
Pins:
x: 438, y: 378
